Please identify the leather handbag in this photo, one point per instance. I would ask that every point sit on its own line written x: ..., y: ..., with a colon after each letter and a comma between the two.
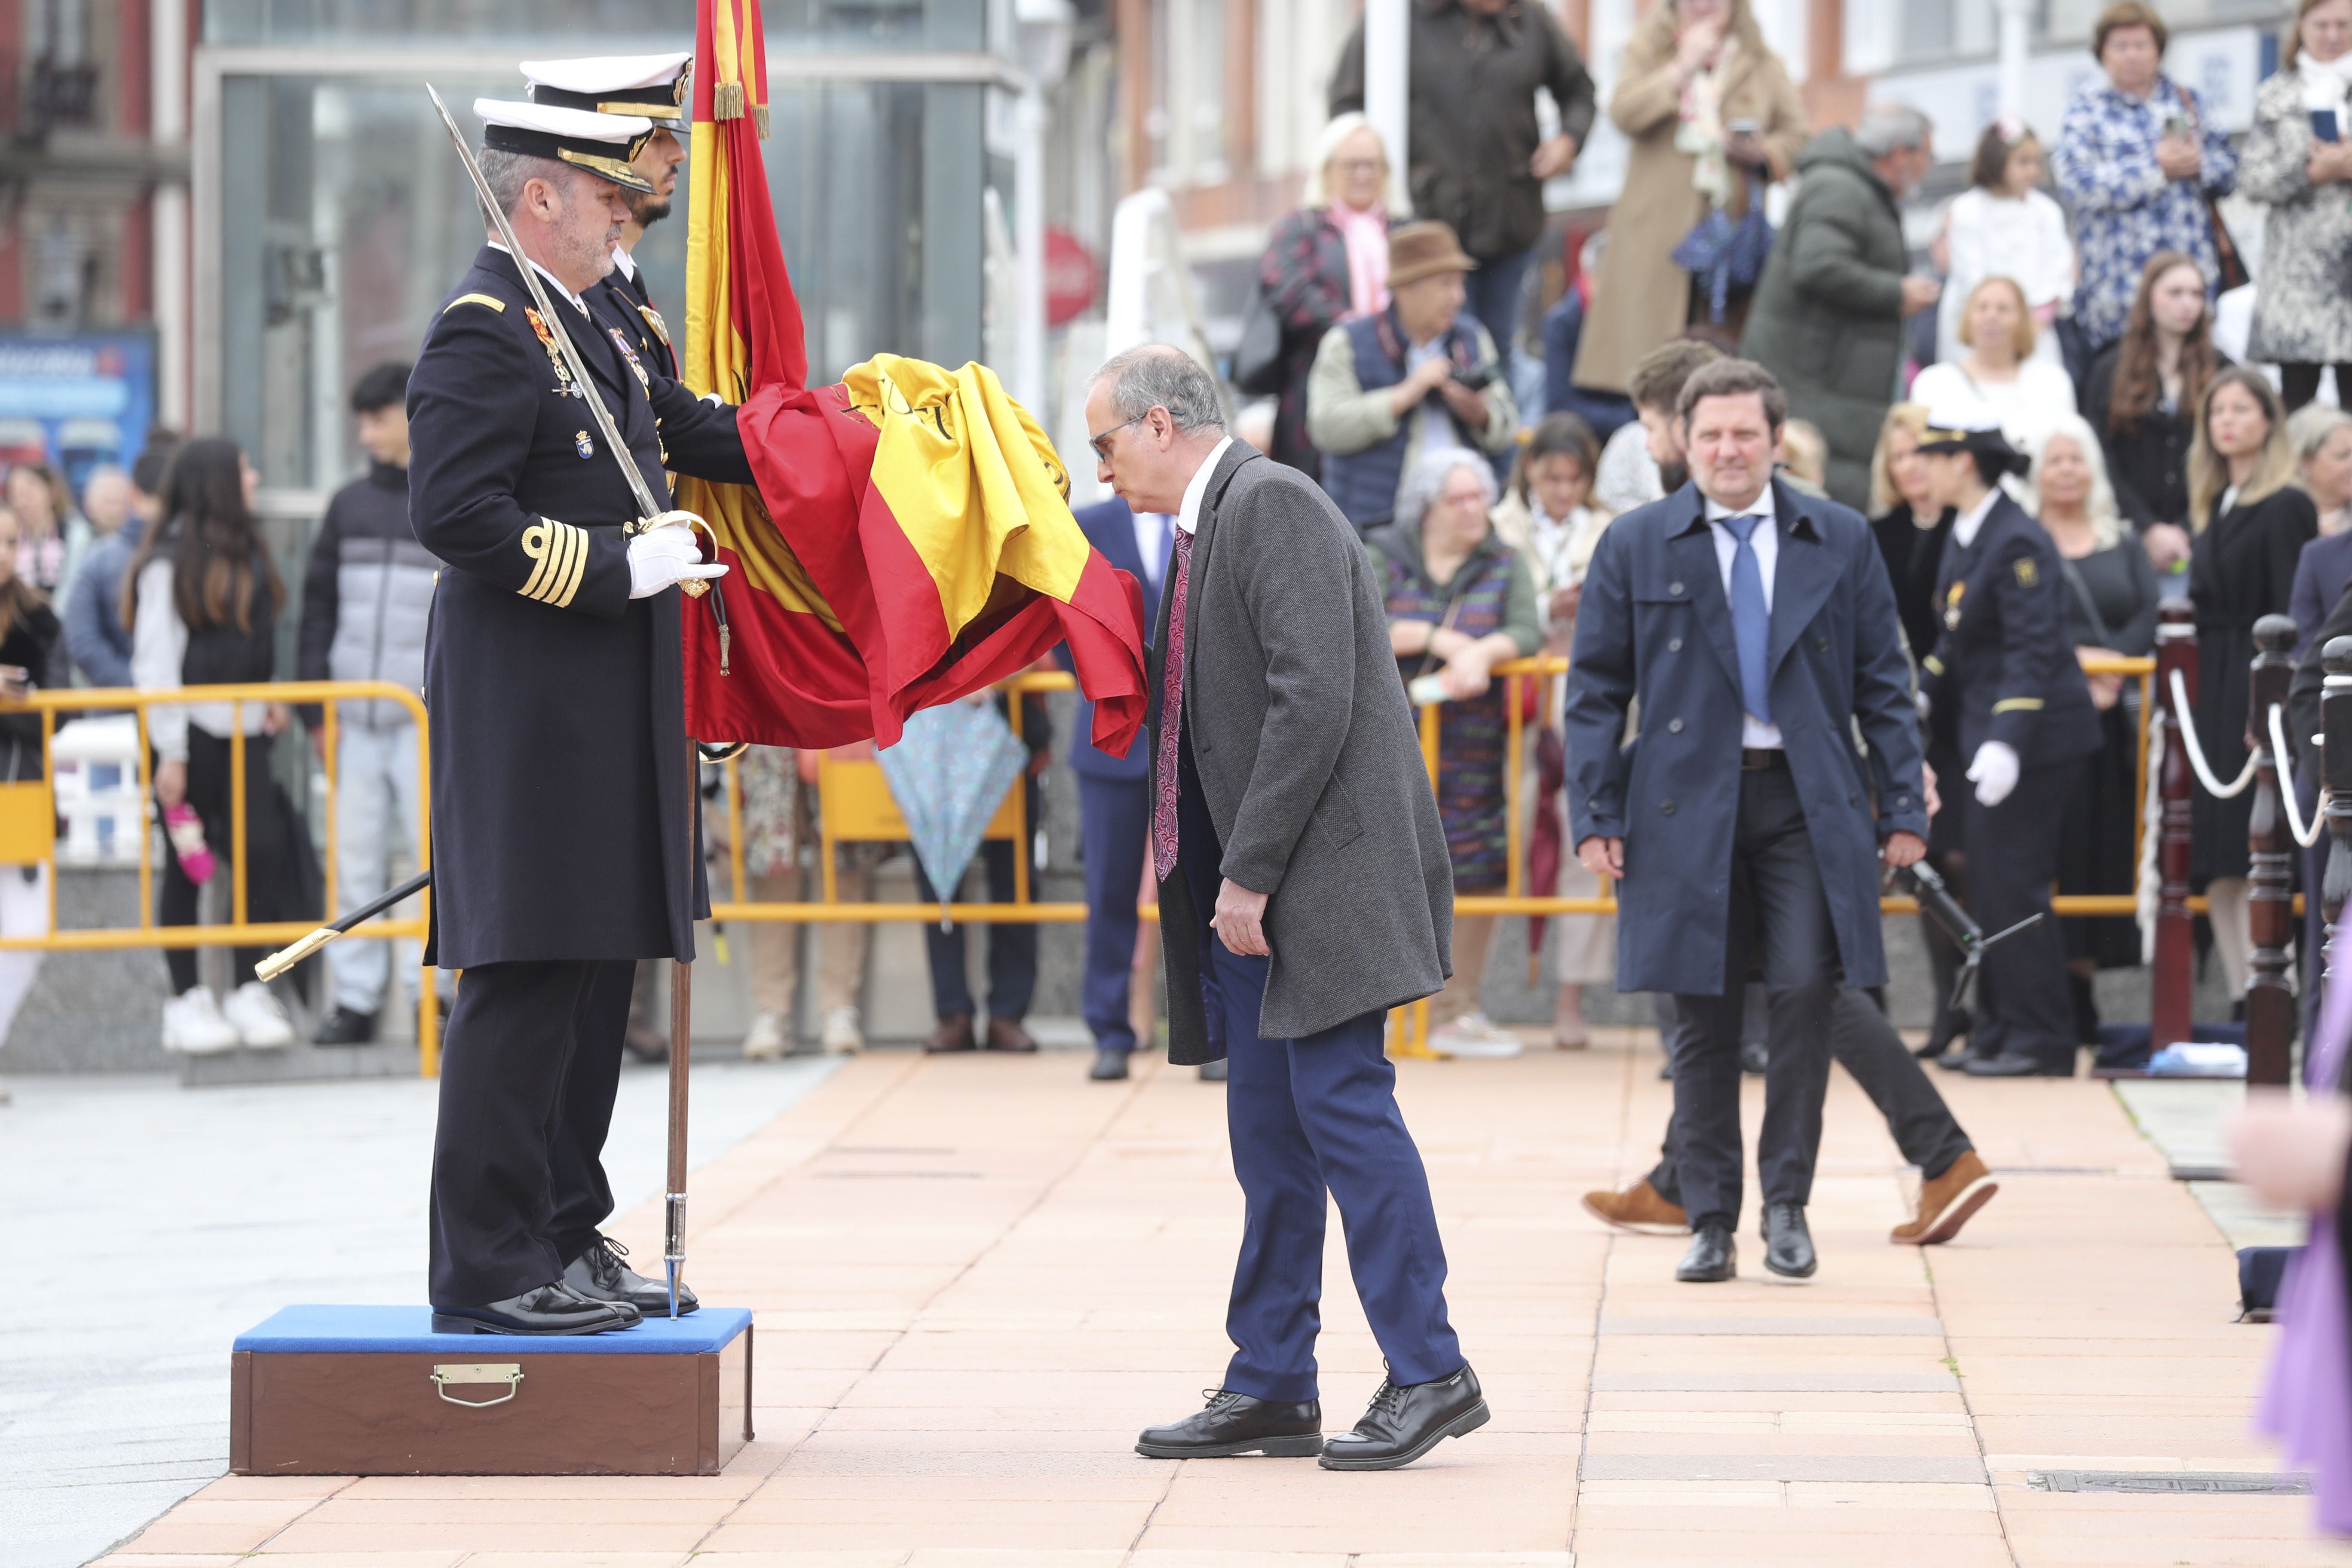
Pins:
x: 1257, y: 358
x: 2228, y: 264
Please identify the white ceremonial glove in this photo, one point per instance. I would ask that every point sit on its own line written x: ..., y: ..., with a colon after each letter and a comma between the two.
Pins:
x: 1994, y: 772
x: 666, y: 556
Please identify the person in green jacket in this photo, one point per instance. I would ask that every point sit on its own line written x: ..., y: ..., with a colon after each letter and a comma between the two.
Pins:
x: 1828, y: 316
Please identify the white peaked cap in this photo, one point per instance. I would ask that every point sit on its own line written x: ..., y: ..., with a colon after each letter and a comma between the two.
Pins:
x: 607, y: 73
x: 566, y: 124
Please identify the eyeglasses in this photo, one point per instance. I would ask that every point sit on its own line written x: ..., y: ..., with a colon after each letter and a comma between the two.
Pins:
x: 1101, y: 443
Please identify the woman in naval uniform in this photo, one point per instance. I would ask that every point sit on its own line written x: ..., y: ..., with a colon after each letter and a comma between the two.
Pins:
x: 2004, y: 669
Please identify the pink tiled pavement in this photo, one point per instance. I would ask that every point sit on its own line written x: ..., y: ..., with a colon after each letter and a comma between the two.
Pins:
x: 977, y: 1276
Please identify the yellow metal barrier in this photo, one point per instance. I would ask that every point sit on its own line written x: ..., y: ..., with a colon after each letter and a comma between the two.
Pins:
x: 238, y: 931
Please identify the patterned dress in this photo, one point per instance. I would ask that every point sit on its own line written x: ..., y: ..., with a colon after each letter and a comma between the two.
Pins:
x: 1472, y: 736
x: 2125, y: 209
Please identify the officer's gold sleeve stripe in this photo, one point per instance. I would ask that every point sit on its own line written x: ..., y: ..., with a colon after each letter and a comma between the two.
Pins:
x: 1934, y: 666
x: 491, y: 300
x: 574, y: 568
x: 534, y: 545
x: 2018, y: 705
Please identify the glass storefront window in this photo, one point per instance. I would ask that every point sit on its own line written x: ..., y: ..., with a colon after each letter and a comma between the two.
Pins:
x: 594, y: 27
x: 346, y: 220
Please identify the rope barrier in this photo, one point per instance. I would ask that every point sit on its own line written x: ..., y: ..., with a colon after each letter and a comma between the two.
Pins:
x: 2187, y: 728
x: 2287, y: 789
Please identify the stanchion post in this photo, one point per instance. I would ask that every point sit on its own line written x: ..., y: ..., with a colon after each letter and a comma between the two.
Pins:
x: 2269, y: 851
x: 2335, y: 780
x: 2172, y: 977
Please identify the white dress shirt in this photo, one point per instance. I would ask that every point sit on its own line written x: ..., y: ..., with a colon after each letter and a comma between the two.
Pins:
x: 1152, y: 543
x: 1964, y: 531
x: 624, y: 264
x: 1189, y: 520
x: 1754, y: 733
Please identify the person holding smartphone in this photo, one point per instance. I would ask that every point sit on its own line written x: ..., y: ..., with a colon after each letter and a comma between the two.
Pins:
x: 2298, y: 165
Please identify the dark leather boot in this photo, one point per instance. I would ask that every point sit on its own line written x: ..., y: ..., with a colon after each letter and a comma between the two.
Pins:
x: 1406, y: 1421
x: 1237, y: 1423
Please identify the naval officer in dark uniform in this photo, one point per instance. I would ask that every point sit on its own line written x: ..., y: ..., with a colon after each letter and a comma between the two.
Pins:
x: 2005, y: 670
x: 652, y: 88
x: 566, y: 843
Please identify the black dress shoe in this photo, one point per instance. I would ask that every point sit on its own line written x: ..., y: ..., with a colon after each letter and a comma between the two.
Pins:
x: 1237, y: 1423
x: 1951, y: 1023
x: 1214, y: 1072
x: 1110, y: 1066
x: 2020, y: 1067
x: 1713, y: 1257
x: 346, y: 1027
x: 599, y: 1275
x: 1406, y: 1421
x: 1787, y: 1245
x: 543, y: 1310
x: 1957, y: 1061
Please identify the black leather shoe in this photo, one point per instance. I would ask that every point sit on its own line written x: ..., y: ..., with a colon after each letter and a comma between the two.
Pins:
x: 543, y: 1310
x: 1713, y: 1257
x: 2020, y: 1067
x: 1236, y: 1424
x: 1951, y: 1023
x: 1957, y: 1061
x: 346, y: 1027
x: 1214, y: 1072
x: 599, y: 1275
x: 1406, y: 1421
x: 1110, y: 1066
x: 1787, y: 1245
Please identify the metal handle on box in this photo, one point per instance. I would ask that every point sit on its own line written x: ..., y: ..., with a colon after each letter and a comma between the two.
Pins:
x: 464, y: 1373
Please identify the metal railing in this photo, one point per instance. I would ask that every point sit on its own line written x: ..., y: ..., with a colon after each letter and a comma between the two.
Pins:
x: 238, y: 930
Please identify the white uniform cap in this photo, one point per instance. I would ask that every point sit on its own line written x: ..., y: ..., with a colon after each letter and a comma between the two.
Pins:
x: 653, y: 86
x: 601, y: 143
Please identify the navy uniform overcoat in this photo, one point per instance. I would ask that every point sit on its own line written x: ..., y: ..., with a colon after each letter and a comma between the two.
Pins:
x: 2005, y: 664
x: 1654, y: 625
x: 563, y: 822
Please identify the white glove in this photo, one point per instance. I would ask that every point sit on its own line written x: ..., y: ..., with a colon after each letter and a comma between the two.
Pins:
x: 664, y: 556
x: 1994, y: 772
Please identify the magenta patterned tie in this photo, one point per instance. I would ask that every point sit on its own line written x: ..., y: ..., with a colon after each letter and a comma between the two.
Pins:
x: 1172, y: 713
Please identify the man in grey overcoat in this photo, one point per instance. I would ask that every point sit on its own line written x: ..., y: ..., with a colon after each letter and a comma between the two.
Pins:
x: 1305, y: 890
x: 1756, y: 628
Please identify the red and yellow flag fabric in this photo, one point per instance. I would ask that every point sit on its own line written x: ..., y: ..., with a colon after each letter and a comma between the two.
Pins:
x: 909, y: 539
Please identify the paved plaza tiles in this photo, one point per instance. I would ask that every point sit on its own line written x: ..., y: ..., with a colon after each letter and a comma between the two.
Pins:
x: 976, y: 1277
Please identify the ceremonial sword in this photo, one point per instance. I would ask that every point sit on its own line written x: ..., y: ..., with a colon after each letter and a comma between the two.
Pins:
x: 681, y: 1007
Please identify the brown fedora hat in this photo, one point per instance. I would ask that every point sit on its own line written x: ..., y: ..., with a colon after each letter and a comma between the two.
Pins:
x: 1418, y: 249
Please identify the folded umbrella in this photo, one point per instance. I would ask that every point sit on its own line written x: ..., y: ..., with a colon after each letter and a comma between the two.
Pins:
x: 948, y: 773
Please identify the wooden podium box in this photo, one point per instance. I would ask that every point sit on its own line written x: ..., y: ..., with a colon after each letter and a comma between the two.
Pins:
x: 374, y: 1391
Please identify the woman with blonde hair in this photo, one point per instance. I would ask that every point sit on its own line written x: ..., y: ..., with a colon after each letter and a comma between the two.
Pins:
x: 2251, y: 523
x: 1327, y: 261
x: 1711, y: 112
x: 2112, y: 592
x: 2028, y: 394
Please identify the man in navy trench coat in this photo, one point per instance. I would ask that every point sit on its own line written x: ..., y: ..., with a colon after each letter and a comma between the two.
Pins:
x: 1741, y: 823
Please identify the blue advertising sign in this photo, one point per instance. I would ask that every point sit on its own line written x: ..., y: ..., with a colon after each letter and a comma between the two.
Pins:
x: 75, y: 402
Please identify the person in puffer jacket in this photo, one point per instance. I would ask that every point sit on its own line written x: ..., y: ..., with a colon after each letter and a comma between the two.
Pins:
x: 365, y: 597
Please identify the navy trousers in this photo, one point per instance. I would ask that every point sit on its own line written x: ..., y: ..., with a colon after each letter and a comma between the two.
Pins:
x: 1313, y: 1121
x: 1114, y: 819
x: 1012, y: 949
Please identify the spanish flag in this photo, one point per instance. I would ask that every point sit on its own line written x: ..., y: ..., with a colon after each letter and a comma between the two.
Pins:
x: 909, y: 539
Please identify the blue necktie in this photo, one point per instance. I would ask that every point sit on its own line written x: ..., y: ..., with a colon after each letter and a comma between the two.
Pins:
x: 1751, y: 619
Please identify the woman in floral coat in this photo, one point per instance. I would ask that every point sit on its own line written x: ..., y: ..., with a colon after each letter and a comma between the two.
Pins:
x: 2138, y: 158
x: 2303, y: 305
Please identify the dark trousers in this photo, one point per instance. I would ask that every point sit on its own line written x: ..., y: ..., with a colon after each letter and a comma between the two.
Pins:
x: 1778, y: 907
x: 1114, y: 823
x: 1866, y: 1044
x: 271, y: 887
x: 1012, y: 949
x: 531, y: 1063
x: 1315, y: 1120
x: 2023, y: 1006
x: 2299, y: 383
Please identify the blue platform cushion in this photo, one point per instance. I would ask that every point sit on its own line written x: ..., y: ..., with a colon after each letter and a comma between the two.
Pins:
x: 331, y: 1330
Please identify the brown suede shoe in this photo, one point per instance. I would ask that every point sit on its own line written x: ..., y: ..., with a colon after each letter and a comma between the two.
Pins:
x: 1007, y: 1035
x: 1638, y: 1208
x: 954, y: 1034
x: 1946, y: 1202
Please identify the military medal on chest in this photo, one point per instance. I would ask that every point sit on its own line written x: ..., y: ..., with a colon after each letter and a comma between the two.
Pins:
x: 621, y: 342
x: 1952, y: 607
x: 564, y: 387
